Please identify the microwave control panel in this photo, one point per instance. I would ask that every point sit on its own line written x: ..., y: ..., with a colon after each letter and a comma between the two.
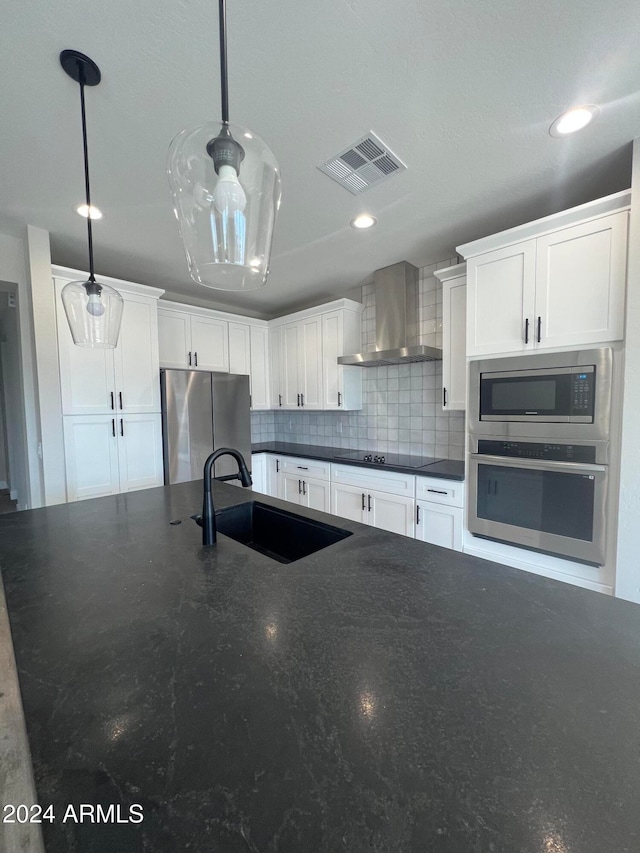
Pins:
x: 582, y: 391
x: 538, y: 450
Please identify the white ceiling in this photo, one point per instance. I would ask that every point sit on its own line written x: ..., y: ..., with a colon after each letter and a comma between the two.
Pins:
x: 462, y: 91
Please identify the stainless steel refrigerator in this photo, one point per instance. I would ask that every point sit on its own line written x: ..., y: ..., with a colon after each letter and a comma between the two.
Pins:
x: 202, y: 411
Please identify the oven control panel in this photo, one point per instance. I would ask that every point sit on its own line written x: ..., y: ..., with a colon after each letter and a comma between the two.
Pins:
x: 538, y: 450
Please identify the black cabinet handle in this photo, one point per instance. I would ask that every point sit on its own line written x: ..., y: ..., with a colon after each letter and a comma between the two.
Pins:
x: 189, y: 359
x: 363, y: 503
x: 304, y: 488
x: 369, y: 499
x: 539, y: 334
x: 526, y: 331
x: 113, y: 427
x: 120, y: 400
x: 438, y: 491
x: 121, y: 427
x: 112, y: 402
x: 195, y: 358
x: 277, y: 466
x: 302, y: 399
x: 298, y: 399
x: 339, y: 398
x: 302, y: 467
x: 299, y: 487
x: 279, y: 399
x: 417, y: 514
x: 444, y: 397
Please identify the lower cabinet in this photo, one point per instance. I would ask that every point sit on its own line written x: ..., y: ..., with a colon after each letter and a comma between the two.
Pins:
x: 259, y: 473
x: 305, y: 491
x: 439, y: 525
x: 379, y: 509
x: 106, y: 455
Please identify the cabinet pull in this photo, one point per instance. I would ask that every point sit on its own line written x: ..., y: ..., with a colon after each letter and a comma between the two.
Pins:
x: 363, y: 503
x: 299, y: 487
x: 195, y: 359
x: 121, y: 426
x: 189, y: 359
x: 298, y: 399
x: 120, y: 400
x: 438, y: 491
x: 526, y: 331
x: 113, y: 427
x: 279, y: 399
x: 112, y: 402
x: 303, y: 467
x: 302, y: 398
x: 369, y: 500
x: 304, y: 488
x: 277, y: 466
x: 539, y: 333
x: 339, y: 398
x: 444, y: 398
x: 417, y: 514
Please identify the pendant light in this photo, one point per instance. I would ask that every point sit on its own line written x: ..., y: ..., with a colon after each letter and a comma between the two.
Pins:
x: 94, y: 310
x: 225, y: 185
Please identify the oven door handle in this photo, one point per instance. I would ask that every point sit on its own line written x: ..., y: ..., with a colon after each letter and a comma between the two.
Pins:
x: 539, y: 464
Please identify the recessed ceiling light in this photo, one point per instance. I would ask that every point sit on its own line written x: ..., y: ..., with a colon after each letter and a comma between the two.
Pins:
x: 83, y: 210
x: 365, y: 220
x: 574, y: 119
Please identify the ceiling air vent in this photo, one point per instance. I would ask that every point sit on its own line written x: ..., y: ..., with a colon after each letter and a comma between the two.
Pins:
x: 363, y: 164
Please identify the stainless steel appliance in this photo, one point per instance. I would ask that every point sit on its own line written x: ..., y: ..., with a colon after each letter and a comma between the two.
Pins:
x: 550, y: 395
x: 400, y: 460
x: 201, y: 412
x: 539, y: 451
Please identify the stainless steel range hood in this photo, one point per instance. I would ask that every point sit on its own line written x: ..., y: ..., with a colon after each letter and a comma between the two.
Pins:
x: 397, y: 319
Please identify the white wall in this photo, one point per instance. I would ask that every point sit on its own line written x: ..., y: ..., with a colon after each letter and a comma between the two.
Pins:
x: 628, y: 558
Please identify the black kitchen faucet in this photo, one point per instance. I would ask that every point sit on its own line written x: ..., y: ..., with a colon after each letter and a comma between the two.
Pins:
x: 208, y: 518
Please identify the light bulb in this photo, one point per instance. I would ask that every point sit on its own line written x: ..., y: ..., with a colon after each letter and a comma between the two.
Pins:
x: 95, y: 306
x: 228, y: 195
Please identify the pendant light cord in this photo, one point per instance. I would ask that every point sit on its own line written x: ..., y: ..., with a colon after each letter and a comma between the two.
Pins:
x: 86, y: 172
x: 224, y: 85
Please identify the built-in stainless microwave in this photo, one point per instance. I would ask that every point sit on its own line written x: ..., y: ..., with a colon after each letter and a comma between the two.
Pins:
x: 551, y: 395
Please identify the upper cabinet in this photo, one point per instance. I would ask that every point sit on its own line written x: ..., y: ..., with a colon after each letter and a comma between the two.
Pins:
x: 454, y: 336
x: 304, y: 358
x: 564, y: 285
x: 189, y: 340
x: 121, y: 380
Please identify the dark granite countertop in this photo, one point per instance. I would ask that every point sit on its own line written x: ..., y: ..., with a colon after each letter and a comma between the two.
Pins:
x: 449, y: 469
x: 381, y: 695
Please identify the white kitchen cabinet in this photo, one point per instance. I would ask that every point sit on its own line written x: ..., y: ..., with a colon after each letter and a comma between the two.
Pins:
x: 106, y: 455
x: 259, y: 368
x: 305, y: 491
x: 341, y: 385
x: 348, y: 502
x: 454, y: 337
x: 301, y: 356
x: 290, y: 487
x: 379, y: 509
x: 290, y: 366
x: 192, y: 341
x: 239, y: 348
x: 275, y: 366
x: 259, y: 472
x: 273, y: 475
x: 122, y: 379
x: 439, y: 524
x: 563, y: 286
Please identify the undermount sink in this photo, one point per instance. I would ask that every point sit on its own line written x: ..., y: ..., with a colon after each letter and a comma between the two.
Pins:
x: 281, y: 535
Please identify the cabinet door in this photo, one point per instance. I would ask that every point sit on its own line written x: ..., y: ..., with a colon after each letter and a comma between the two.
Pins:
x: 580, y: 283
x: 273, y: 475
x: 136, y: 357
x: 500, y: 299
x: 439, y: 525
x: 210, y: 343
x: 87, y: 380
x: 316, y: 494
x: 174, y: 338
x: 454, y: 347
x: 348, y: 501
x: 391, y: 512
x: 239, y: 348
x: 290, y: 488
x: 310, y: 343
x: 260, y: 396
x: 91, y: 456
x: 140, y: 451
x: 289, y: 354
x: 259, y: 473
x: 276, y: 366
x: 332, y: 347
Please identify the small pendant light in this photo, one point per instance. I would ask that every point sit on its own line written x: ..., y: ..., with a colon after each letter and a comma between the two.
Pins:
x: 94, y: 310
x: 225, y: 185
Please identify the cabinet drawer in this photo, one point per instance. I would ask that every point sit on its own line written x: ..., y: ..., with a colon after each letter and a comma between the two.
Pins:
x: 391, y: 482
x: 436, y: 490
x: 305, y: 468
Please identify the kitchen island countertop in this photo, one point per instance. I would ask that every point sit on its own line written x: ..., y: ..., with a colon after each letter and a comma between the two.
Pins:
x: 380, y: 695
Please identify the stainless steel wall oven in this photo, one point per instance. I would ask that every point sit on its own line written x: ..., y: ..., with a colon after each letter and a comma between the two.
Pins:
x: 539, y: 452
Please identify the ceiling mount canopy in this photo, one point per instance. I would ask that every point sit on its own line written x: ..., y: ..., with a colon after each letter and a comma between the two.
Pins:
x: 225, y: 185
x: 94, y: 311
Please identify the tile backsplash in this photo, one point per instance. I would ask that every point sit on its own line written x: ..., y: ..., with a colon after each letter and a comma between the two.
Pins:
x: 401, y: 410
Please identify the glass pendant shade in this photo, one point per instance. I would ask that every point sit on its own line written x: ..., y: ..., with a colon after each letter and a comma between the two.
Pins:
x: 94, y: 313
x: 226, y: 217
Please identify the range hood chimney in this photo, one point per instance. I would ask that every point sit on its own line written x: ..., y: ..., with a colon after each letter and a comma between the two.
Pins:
x: 397, y: 321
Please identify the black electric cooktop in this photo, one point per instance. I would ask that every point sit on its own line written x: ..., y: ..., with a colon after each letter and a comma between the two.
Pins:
x: 401, y: 460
